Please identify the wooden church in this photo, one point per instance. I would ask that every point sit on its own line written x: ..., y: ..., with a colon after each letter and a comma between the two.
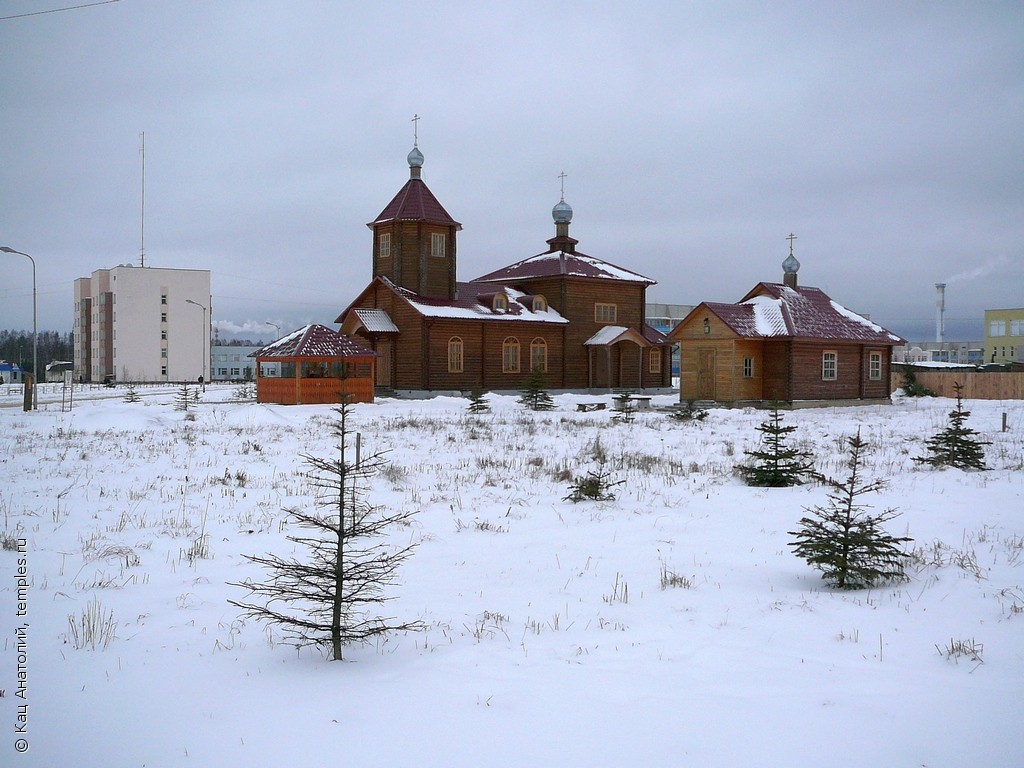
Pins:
x: 783, y: 343
x: 576, y: 318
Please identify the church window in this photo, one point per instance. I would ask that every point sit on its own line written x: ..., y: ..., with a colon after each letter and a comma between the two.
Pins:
x: 455, y: 355
x: 605, y: 313
x: 510, y: 355
x: 500, y: 302
x: 540, y: 304
x: 384, y: 245
x: 654, y: 366
x: 437, y: 245
x: 539, y: 355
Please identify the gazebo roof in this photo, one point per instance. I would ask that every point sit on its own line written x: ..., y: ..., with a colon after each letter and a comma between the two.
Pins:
x: 315, y: 341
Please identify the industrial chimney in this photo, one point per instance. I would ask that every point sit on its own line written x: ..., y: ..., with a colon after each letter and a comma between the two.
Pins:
x: 940, y: 310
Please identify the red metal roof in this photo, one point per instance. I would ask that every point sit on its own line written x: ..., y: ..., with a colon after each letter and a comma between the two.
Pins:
x: 562, y: 263
x: 774, y: 310
x: 316, y: 341
x: 415, y: 202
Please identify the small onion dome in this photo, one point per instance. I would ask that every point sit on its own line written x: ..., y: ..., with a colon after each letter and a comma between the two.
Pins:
x: 790, y: 266
x: 562, y: 213
x: 415, y: 158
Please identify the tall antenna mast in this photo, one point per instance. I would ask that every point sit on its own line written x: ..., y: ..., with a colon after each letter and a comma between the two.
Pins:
x: 142, y: 247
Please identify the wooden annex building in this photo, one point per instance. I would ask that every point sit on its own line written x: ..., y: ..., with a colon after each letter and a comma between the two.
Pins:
x: 783, y: 343
x: 314, y: 365
x: 579, y: 319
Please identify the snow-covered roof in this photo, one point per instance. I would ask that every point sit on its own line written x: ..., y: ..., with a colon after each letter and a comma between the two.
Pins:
x: 471, y: 306
x: 776, y: 310
x: 562, y: 264
x: 612, y: 334
x: 376, y: 321
x: 315, y: 341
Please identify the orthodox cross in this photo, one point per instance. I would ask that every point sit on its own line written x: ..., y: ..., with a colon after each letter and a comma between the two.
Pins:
x: 415, y: 130
x: 791, y: 238
x: 561, y: 176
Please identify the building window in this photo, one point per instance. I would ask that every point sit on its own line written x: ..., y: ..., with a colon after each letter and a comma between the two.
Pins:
x: 748, y: 367
x: 163, y: 370
x: 163, y: 335
x: 1017, y: 327
x: 163, y: 298
x: 605, y: 313
x: 654, y: 366
x: 163, y: 352
x: 500, y: 302
x: 540, y: 304
x: 384, y: 245
x: 455, y: 355
x: 236, y: 372
x: 163, y: 317
x: 539, y: 355
x: 510, y: 355
x: 437, y: 245
x: 875, y: 366
x: 829, y: 366
x: 997, y: 328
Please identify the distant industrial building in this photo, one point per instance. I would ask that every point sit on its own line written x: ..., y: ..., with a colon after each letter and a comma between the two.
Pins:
x: 142, y: 324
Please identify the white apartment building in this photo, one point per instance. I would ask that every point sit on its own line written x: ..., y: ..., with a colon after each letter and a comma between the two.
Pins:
x: 143, y: 324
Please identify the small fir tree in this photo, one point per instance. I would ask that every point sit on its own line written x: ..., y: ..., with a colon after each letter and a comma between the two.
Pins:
x: 184, y: 398
x: 535, y: 396
x: 842, y: 539
x: 956, y: 445
x: 625, y: 408
x: 131, y: 396
x: 595, y: 486
x: 913, y: 388
x: 477, y: 402
x: 331, y: 598
x: 774, y: 465
x: 688, y: 413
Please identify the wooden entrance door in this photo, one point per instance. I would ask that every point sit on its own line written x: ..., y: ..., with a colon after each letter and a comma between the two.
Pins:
x: 705, y: 374
x: 385, y: 376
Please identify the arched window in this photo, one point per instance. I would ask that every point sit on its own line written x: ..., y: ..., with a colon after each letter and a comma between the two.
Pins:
x: 510, y: 355
x: 500, y: 302
x: 455, y: 355
x: 655, y: 360
x: 539, y: 355
x: 540, y: 304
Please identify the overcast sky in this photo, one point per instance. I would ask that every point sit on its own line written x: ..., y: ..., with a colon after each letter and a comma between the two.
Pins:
x: 889, y: 137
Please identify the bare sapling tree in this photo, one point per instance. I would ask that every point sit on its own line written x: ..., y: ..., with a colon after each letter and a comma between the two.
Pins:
x: 333, y: 597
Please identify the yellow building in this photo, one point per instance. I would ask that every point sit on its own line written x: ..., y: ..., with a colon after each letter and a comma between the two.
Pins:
x: 1004, y: 335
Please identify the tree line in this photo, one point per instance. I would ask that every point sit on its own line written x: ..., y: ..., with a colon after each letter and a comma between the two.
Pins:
x: 16, y: 347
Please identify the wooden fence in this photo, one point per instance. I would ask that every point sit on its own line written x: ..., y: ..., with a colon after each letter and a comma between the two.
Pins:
x: 989, y: 385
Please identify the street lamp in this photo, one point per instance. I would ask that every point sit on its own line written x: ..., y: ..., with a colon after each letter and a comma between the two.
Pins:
x: 206, y: 334
x: 35, y: 329
x: 275, y: 326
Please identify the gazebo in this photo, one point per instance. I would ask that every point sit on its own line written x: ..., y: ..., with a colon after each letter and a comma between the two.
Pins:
x: 314, y: 365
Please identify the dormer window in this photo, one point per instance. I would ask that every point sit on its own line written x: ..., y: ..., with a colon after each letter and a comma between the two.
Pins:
x: 500, y: 303
x: 540, y: 304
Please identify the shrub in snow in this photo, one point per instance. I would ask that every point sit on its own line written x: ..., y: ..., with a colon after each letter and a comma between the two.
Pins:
x: 535, y: 396
x: 131, y: 396
x: 956, y: 445
x: 688, y: 413
x: 775, y: 465
x: 331, y: 597
x: 184, y: 398
x: 477, y: 403
x: 595, y: 486
x: 843, y: 540
x: 911, y: 387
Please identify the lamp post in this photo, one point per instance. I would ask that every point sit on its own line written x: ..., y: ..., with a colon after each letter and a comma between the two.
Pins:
x: 35, y: 329
x: 206, y: 335
x: 275, y: 326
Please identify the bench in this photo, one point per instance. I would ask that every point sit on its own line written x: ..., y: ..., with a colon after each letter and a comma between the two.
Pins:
x: 588, y: 407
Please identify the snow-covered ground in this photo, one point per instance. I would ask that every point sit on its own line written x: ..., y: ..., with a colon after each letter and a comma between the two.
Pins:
x: 549, y: 639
